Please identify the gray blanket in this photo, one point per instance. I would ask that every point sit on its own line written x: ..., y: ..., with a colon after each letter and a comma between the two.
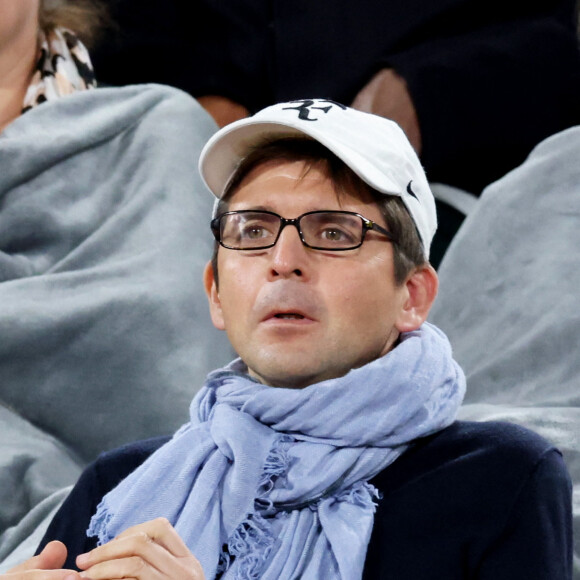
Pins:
x: 509, y: 301
x: 104, y: 329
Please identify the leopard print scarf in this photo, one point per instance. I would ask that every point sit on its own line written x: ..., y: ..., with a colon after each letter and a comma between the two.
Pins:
x: 64, y: 67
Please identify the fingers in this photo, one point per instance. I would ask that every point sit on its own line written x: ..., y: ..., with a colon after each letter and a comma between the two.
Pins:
x: 150, y: 551
x: 52, y: 557
x: 126, y: 557
x: 161, y: 532
x: 38, y: 574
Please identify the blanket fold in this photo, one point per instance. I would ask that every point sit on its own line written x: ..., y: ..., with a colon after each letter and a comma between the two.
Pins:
x: 104, y: 329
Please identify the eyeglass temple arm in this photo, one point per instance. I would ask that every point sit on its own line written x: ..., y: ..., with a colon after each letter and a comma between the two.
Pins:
x: 369, y: 225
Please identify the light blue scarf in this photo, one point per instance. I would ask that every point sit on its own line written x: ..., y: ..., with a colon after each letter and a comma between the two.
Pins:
x: 279, y: 476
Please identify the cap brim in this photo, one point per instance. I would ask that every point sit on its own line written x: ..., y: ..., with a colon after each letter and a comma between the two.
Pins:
x: 223, y: 153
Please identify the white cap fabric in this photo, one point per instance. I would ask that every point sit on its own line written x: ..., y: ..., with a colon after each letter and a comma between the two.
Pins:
x: 375, y: 148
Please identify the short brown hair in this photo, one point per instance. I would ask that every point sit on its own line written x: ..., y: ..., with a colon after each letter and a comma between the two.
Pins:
x: 408, y: 248
x: 86, y: 18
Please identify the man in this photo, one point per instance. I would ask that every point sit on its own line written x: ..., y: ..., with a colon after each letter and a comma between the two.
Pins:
x: 330, y: 448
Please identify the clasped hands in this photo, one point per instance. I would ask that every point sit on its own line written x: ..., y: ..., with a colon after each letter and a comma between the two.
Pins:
x: 149, y: 551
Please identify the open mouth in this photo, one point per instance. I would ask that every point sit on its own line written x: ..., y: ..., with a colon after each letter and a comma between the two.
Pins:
x: 289, y: 315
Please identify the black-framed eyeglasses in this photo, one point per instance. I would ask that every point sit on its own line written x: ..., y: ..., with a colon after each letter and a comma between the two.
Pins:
x: 330, y: 230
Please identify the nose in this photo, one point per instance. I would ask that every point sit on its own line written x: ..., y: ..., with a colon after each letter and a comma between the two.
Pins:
x: 289, y: 255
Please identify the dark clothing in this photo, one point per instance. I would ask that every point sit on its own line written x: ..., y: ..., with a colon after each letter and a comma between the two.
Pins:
x: 485, y: 501
x: 489, y: 78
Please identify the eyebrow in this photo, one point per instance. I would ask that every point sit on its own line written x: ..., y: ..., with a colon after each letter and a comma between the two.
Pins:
x: 273, y: 210
x: 252, y: 208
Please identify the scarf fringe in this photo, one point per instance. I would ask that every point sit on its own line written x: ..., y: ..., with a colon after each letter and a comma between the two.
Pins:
x: 252, y: 541
x: 250, y: 545
x: 276, y: 464
x: 100, y: 524
x: 362, y: 494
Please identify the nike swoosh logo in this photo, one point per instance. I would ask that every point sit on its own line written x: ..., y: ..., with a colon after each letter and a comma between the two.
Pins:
x: 410, y: 191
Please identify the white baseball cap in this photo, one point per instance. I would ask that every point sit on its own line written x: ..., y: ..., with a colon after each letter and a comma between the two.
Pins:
x: 375, y: 148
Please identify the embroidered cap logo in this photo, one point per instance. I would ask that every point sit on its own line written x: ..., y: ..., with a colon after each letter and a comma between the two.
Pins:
x: 308, y: 107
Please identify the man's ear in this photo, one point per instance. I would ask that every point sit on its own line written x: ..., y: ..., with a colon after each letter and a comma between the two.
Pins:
x: 215, y: 306
x: 421, y: 287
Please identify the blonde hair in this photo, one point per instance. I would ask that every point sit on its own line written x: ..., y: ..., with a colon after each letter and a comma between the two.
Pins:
x: 86, y: 18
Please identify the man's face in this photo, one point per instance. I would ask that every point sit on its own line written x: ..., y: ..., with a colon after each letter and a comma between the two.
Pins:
x: 297, y: 316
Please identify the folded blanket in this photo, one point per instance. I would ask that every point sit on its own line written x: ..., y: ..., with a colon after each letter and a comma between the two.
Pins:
x: 104, y: 328
x: 508, y: 300
x: 33, y: 466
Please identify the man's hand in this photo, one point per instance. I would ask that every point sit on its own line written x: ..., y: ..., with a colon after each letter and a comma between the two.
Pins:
x: 46, y: 566
x: 149, y: 551
x: 386, y: 94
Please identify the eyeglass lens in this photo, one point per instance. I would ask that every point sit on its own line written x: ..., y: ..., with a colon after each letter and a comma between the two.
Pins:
x: 323, y: 230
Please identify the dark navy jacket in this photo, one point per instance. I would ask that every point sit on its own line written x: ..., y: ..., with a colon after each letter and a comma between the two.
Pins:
x: 476, y: 501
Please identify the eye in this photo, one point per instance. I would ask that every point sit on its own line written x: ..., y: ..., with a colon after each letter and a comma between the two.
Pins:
x: 338, y: 233
x: 254, y: 231
x: 332, y: 230
x: 334, y: 234
x: 249, y: 229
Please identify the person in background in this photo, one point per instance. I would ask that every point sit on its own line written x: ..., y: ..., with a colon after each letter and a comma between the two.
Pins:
x: 475, y: 84
x: 330, y: 448
x: 40, y: 57
x: 100, y: 247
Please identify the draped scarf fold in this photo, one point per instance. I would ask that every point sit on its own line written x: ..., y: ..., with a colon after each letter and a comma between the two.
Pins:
x: 63, y: 67
x: 272, y: 483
